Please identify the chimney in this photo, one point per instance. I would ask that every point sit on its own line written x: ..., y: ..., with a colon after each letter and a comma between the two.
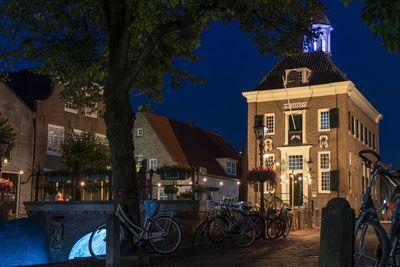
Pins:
x: 190, y: 122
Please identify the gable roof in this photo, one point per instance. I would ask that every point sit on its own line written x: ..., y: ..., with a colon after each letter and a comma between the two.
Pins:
x: 322, y: 70
x: 29, y: 86
x: 192, y: 146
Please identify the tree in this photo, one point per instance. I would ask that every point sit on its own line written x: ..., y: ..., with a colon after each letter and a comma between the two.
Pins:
x: 112, y: 48
x: 7, y: 132
x: 82, y: 151
x: 382, y: 17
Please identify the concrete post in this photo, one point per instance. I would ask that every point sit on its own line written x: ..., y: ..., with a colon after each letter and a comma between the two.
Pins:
x: 336, y: 241
x: 113, y: 241
x: 317, y: 217
x: 301, y: 219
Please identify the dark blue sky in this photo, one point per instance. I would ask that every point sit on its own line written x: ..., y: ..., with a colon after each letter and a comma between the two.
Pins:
x: 232, y: 65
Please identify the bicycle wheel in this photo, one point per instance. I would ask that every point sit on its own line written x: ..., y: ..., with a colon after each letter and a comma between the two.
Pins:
x: 200, y: 235
x: 165, y: 234
x: 259, y: 222
x: 216, y: 229
x: 244, y: 234
x: 371, y: 245
x: 288, y: 225
x: 97, y: 242
x: 275, y: 228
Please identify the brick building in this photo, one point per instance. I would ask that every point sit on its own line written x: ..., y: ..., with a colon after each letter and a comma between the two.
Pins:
x: 41, y: 120
x: 160, y: 141
x: 313, y: 112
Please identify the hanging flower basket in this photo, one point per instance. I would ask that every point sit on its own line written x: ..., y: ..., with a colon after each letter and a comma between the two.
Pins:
x: 262, y: 174
x: 6, y: 186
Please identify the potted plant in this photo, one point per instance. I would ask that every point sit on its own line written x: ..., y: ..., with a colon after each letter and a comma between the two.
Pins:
x: 174, y: 172
x: 262, y: 174
x: 170, y: 190
x: 186, y: 195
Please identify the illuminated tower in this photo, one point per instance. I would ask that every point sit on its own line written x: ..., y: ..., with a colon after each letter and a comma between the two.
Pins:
x: 323, y: 42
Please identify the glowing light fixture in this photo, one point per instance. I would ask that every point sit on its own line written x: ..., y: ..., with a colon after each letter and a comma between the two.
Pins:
x: 204, y: 179
x: 221, y: 183
x: 21, y: 172
x: 159, y: 184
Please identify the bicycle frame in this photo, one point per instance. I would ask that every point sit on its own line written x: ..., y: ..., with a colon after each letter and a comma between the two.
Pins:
x: 140, y: 232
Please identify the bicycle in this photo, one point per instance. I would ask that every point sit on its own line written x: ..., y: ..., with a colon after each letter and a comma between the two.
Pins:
x: 201, y: 232
x: 233, y: 223
x: 162, y: 231
x: 372, y: 245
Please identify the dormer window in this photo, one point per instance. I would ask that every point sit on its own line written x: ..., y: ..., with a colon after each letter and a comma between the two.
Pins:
x: 297, y: 77
x: 231, y: 166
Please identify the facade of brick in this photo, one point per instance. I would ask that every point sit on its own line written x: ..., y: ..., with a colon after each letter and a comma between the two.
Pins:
x: 343, y: 142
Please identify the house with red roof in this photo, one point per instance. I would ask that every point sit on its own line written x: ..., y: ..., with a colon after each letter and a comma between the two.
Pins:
x: 161, y: 141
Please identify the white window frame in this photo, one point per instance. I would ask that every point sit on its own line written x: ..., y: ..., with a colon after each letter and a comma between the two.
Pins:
x: 89, y: 112
x: 273, y: 123
x: 161, y: 195
x: 78, y: 131
x: 69, y: 107
x: 231, y: 166
x: 61, y: 141
x: 320, y: 170
x: 267, y: 186
x: 139, y: 132
x: 102, y: 137
x: 151, y: 162
x: 320, y: 111
x: 303, y: 112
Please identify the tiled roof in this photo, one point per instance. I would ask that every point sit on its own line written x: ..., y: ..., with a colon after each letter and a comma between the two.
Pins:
x: 29, y: 86
x: 192, y: 146
x: 322, y: 70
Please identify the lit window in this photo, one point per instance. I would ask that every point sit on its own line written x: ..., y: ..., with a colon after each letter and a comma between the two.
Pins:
x: 231, y: 167
x: 269, y: 160
x: 153, y: 164
x: 91, y: 110
x: 296, y: 162
x: 70, y: 107
x: 324, y: 171
x: 161, y: 194
x: 139, y: 132
x: 55, y: 139
x: 270, y: 123
x: 323, y: 119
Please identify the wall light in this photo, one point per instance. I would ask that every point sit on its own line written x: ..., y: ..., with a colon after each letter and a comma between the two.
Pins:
x: 221, y: 183
x: 21, y: 172
x: 159, y: 184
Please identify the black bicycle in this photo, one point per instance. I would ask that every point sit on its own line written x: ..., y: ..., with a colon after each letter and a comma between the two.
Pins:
x: 372, y: 245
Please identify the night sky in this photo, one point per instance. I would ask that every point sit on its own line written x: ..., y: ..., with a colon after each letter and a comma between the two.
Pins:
x: 232, y: 65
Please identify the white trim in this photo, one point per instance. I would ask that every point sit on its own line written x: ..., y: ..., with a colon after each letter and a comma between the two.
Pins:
x: 71, y: 110
x: 319, y: 120
x: 165, y: 196
x: 269, y: 155
x: 91, y: 112
x: 273, y: 122
x: 345, y: 87
x: 233, y: 162
x: 323, y: 170
x: 139, y: 132
x: 150, y: 161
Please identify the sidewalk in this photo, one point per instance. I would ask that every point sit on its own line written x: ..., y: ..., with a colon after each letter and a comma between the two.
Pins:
x: 299, y: 248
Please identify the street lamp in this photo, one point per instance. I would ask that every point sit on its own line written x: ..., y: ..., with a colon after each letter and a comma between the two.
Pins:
x: 310, y: 164
x: 260, y: 131
x: 3, y: 149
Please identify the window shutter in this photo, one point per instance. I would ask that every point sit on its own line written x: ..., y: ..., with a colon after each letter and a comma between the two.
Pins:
x: 258, y: 120
x: 334, y: 180
x: 334, y: 118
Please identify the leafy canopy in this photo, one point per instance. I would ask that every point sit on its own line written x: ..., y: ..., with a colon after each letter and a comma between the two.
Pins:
x: 382, y: 17
x: 71, y: 39
x: 85, y: 151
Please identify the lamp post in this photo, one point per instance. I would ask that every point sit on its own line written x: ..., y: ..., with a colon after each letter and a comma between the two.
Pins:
x: 310, y: 164
x: 260, y: 130
x: 3, y: 149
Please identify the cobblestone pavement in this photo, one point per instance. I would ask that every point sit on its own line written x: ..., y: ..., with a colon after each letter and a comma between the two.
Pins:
x: 300, y: 248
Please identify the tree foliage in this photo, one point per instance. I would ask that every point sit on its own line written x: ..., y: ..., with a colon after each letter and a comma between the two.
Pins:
x: 112, y: 48
x: 7, y: 132
x: 85, y: 151
x: 382, y: 17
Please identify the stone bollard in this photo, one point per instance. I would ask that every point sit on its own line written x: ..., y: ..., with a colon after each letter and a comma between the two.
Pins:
x: 301, y: 220
x: 317, y: 217
x: 336, y: 241
x: 113, y: 241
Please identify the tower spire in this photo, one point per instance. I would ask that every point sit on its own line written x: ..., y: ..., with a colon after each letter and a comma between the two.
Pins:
x: 323, y: 41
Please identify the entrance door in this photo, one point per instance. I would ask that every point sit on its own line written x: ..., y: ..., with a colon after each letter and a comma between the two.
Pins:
x: 298, y: 190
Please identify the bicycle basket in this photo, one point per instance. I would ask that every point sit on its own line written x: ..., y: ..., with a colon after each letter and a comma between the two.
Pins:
x: 152, y: 208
